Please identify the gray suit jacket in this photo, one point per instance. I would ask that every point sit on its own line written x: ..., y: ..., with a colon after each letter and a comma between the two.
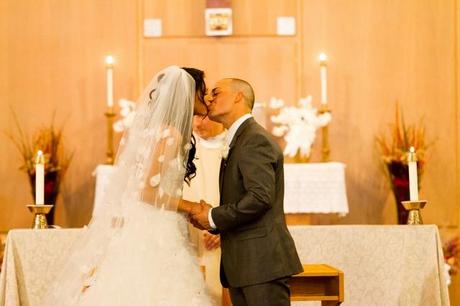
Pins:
x: 256, y: 244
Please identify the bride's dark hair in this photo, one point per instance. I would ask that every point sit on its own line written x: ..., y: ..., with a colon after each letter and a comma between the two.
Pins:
x: 200, y: 91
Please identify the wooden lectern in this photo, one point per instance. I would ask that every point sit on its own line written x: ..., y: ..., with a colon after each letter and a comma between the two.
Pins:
x: 316, y: 283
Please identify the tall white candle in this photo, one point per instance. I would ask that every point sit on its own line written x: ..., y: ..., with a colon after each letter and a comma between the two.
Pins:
x: 413, y: 179
x: 323, y: 73
x: 39, y: 179
x: 109, y: 70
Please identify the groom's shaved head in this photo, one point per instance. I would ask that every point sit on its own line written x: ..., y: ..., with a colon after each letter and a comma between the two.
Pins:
x: 245, y: 88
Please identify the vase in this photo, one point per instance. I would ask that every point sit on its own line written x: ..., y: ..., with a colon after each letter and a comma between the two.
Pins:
x: 399, y: 178
x: 51, y: 191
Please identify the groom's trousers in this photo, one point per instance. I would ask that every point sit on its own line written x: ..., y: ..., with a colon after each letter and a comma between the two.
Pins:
x: 274, y: 293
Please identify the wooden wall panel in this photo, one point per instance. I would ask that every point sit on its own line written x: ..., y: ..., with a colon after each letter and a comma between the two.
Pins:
x: 52, y: 58
x: 258, y: 17
x: 179, y: 17
x: 454, y: 289
x: 382, y: 52
x: 267, y: 63
x: 250, y: 18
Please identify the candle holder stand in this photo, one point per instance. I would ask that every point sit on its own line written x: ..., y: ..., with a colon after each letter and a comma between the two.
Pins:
x: 414, y: 208
x: 109, y: 114
x: 40, y: 212
x: 325, y: 149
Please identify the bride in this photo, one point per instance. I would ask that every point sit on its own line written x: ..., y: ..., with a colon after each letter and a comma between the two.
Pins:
x: 136, y: 252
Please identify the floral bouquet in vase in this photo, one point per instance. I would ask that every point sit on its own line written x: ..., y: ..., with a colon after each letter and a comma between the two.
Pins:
x: 50, y: 141
x: 394, y: 146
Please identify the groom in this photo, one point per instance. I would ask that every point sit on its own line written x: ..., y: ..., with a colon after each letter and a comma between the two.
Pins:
x: 258, y: 253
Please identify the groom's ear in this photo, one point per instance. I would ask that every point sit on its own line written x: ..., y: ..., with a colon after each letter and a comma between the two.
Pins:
x: 239, y: 97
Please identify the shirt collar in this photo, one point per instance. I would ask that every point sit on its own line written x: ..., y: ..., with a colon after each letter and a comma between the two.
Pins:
x: 234, y: 127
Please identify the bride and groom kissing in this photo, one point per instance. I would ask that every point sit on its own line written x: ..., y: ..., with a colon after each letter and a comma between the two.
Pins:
x: 137, y: 254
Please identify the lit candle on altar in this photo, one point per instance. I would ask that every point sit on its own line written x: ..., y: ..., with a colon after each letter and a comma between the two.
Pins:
x: 40, y: 179
x: 323, y: 72
x: 413, y: 179
x: 109, y: 68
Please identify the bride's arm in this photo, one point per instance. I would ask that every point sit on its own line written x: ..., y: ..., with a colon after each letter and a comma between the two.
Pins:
x: 150, y: 190
x: 188, y: 207
x: 184, y: 206
x: 164, y: 158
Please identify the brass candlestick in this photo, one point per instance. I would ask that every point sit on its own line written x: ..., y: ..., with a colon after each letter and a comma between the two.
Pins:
x: 40, y: 212
x: 414, y: 211
x: 325, y: 150
x: 109, y: 114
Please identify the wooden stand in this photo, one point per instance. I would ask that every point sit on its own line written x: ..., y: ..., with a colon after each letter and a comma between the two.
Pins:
x: 316, y: 283
x: 298, y: 219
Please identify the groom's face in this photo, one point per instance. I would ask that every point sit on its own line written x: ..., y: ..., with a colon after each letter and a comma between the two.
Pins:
x: 221, y: 100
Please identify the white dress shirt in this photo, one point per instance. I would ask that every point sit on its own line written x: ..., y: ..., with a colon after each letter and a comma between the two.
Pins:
x: 230, y: 134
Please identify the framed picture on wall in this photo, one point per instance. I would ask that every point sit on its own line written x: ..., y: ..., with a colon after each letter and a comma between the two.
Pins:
x: 218, y: 21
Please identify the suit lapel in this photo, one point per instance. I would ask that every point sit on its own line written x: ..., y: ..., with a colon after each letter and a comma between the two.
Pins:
x: 221, y: 174
x: 223, y: 162
x: 240, y: 131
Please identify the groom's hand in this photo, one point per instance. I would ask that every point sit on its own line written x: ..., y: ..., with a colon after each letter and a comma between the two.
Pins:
x: 199, y: 218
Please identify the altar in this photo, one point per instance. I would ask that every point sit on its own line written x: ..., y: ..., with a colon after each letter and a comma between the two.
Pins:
x: 382, y: 265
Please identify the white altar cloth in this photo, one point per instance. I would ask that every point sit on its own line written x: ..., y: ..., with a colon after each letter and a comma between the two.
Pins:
x: 102, y: 174
x: 382, y: 265
x: 315, y: 188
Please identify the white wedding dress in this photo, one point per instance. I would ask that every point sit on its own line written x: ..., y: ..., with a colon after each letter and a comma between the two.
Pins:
x: 148, y: 264
x: 137, y: 251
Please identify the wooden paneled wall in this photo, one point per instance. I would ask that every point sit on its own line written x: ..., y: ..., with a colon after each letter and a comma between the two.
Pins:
x: 52, y: 58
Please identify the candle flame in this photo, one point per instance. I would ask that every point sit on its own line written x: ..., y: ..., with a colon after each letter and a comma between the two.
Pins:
x: 109, y: 60
x: 412, y: 150
x: 322, y: 58
x: 40, y: 159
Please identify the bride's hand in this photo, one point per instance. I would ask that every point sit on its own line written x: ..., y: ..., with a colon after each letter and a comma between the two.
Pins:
x: 211, y: 242
x: 190, y: 208
x: 199, y: 219
x: 184, y: 206
x: 196, y: 208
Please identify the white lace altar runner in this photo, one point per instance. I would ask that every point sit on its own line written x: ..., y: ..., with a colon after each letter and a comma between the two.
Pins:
x: 315, y: 188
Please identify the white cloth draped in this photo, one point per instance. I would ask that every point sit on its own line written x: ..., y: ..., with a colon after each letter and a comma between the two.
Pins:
x: 382, y: 265
x: 315, y: 188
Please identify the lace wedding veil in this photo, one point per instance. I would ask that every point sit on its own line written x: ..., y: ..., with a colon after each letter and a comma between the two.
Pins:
x: 149, y: 167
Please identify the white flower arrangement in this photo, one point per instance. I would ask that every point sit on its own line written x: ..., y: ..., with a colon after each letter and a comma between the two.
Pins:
x: 298, y: 125
x: 127, y: 115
